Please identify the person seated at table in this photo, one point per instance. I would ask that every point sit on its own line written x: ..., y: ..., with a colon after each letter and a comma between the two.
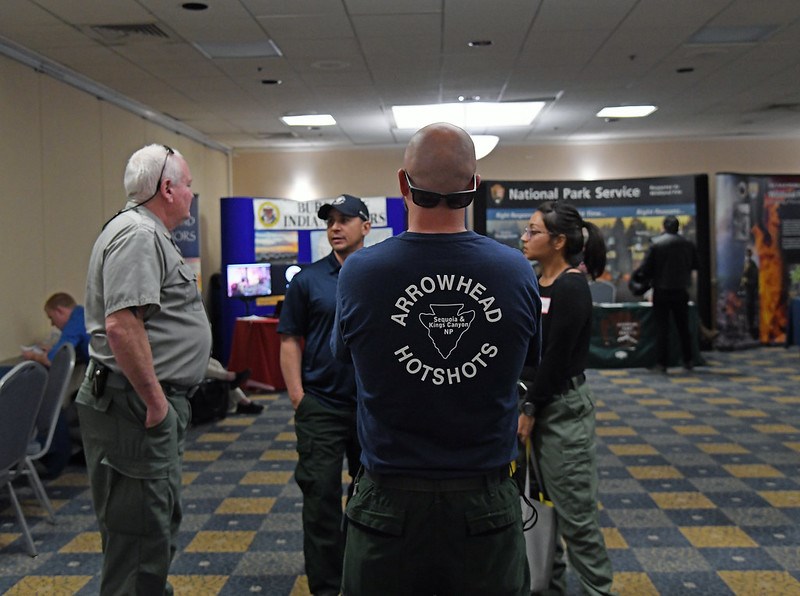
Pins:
x: 238, y: 402
x: 66, y: 316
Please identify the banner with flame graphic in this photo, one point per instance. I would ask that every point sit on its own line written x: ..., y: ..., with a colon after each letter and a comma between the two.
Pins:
x: 758, y: 257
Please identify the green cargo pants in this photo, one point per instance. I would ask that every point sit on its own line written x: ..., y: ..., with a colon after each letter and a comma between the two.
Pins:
x: 135, y: 477
x: 443, y: 542
x: 325, y: 436
x: 564, y: 443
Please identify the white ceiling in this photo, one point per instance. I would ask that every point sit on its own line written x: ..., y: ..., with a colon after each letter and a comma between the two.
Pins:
x: 355, y: 59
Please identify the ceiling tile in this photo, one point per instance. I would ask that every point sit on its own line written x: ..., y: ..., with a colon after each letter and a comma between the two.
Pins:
x: 357, y: 58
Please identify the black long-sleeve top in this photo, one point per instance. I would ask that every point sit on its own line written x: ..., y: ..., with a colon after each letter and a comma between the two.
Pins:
x: 566, y: 332
x: 670, y: 261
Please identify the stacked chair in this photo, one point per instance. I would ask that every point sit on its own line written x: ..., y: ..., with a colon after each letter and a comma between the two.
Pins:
x: 21, y: 392
x: 58, y: 381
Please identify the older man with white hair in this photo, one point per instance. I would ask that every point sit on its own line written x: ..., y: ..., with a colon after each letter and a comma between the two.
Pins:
x: 150, y: 344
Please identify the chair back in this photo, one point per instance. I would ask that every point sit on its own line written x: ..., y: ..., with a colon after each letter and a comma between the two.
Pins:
x: 58, y: 380
x: 21, y: 392
x: 602, y: 291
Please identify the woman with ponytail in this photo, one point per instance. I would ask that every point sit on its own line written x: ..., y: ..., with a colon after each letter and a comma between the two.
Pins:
x: 559, y: 412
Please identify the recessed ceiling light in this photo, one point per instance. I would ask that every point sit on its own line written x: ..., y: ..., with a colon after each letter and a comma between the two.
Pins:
x: 309, y: 120
x: 271, y: 81
x: 684, y: 69
x: 194, y: 6
x: 738, y: 34
x: 251, y: 49
x: 626, y: 111
x: 480, y: 43
x: 475, y: 115
x: 469, y: 98
x: 330, y: 65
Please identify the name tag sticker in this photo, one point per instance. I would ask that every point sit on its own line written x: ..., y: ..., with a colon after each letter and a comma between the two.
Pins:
x: 545, y: 304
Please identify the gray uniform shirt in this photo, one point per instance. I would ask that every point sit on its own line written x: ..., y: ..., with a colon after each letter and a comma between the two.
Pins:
x: 135, y: 263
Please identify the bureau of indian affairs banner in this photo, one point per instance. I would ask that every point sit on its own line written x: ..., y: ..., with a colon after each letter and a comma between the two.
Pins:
x: 629, y: 212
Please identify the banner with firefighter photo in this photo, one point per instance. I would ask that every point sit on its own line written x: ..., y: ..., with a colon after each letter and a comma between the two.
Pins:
x: 757, y: 255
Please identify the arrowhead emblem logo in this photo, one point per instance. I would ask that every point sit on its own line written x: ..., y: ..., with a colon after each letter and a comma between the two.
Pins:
x: 446, y: 324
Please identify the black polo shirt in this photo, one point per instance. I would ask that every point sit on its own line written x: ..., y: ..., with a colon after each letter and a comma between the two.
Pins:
x: 309, y: 309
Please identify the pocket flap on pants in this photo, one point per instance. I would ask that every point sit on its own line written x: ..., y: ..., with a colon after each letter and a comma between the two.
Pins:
x: 483, y: 522
x: 385, y: 522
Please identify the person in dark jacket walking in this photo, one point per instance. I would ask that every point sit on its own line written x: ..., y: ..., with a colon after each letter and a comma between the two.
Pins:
x: 669, y: 263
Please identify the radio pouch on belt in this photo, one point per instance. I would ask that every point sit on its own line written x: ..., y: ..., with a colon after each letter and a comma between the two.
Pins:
x: 99, y: 378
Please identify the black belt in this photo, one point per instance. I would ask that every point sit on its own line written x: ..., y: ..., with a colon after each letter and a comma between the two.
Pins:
x: 117, y: 380
x: 572, y: 383
x: 432, y: 485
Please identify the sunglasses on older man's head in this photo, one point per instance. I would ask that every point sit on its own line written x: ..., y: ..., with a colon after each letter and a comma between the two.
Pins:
x: 429, y: 199
x: 163, y: 167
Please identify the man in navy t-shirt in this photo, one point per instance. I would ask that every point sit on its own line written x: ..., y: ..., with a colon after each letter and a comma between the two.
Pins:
x: 438, y: 322
x: 323, y: 393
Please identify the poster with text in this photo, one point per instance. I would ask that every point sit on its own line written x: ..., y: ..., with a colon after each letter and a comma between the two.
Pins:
x: 187, y: 237
x: 277, y: 222
x: 757, y: 255
x: 629, y: 212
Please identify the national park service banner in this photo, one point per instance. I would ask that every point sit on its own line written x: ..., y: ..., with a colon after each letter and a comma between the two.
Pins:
x: 629, y: 212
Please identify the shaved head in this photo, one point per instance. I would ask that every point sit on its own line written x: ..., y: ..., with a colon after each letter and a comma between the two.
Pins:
x: 441, y: 157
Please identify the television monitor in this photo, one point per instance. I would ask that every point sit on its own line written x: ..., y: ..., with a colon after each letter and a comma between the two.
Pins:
x: 282, y: 274
x: 249, y: 280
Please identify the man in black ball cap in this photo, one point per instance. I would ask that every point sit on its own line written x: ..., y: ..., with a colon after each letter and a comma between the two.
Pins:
x: 323, y: 393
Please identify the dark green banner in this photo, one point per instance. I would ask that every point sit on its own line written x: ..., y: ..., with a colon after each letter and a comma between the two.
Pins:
x: 624, y: 336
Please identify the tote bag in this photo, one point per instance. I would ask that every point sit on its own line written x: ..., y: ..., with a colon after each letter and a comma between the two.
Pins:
x: 539, y: 525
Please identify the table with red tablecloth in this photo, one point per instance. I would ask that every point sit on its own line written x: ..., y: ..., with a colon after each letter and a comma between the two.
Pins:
x: 256, y: 345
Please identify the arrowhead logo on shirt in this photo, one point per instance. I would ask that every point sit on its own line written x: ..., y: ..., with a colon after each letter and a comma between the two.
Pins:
x: 446, y: 324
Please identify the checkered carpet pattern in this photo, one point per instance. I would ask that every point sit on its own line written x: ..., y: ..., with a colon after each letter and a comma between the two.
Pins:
x: 699, y: 490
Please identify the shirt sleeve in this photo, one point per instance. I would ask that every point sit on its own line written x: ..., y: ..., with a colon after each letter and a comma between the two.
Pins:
x: 534, y: 355
x: 294, y: 315
x: 72, y: 333
x: 646, y: 266
x: 339, y: 349
x: 132, y: 270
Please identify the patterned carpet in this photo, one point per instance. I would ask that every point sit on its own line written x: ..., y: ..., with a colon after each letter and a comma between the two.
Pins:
x: 700, y: 492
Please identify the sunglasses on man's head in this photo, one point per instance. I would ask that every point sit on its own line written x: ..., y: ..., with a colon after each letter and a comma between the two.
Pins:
x: 163, y: 167
x: 429, y: 199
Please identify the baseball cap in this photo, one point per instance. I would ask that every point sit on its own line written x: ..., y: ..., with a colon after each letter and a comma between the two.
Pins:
x: 346, y: 205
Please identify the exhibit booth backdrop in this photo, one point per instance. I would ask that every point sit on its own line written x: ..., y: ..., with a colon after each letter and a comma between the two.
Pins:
x: 283, y: 232
x: 187, y: 236
x: 757, y: 214
x: 628, y: 211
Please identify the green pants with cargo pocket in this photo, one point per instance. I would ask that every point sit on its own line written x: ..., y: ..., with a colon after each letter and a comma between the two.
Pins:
x: 135, y: 477
x: 325, y: 436
x: 564, y: 443
x: 444, y: 542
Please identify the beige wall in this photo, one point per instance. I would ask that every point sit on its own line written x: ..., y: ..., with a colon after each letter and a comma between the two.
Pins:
x: 372, y: 172
x: 62, y: 155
